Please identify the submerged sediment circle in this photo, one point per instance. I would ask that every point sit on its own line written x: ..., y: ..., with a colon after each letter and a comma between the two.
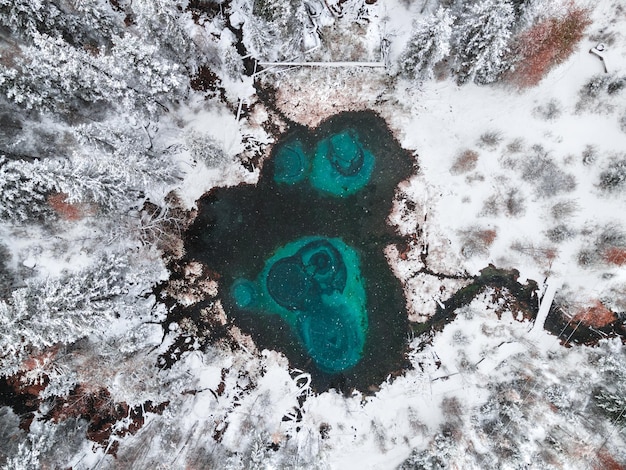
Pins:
x: 314, y: 284
x: 301, y: 254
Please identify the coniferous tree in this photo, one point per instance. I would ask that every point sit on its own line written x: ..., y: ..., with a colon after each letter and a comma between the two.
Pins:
x: 482, y: 40
x: 78, y: 22
x: 25, y: 186
x: 27, y: 18
x: 429, y: 45
x: 272, y: 29
x: 60, y: 310
x: 52, y: 75
x: 168, y: 24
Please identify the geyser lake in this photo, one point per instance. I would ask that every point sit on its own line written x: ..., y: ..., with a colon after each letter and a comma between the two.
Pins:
x: 300, y: 255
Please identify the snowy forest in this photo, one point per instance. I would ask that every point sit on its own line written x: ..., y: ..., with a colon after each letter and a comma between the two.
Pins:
x: 124, y: 123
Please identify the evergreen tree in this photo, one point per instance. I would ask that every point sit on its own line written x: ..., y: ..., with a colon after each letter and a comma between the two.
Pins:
x: 435, y: 458
x: 126, y: 150
x: 52, y: 75
x: 79, y: 22
x: 25, y: 186
x: 26, y: 18
x: 614, y: 405
x: 429, y: 45
x: 60, y: 310
x: 167, y: 23
x: 482, y: 40
x: 272, y: 29
x: 114, y: 165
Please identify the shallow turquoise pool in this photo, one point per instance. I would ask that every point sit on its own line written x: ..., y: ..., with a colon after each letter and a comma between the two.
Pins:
x: 315, y: 285
x: 300, y: 255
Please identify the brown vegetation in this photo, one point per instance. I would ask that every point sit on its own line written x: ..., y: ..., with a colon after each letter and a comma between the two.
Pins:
x: 547, y: 44
x: 596, y: 315
x: 502, y: 300
x: 97, y: 406
x: 615, y: 255
x: 476, y: 241
x: 606, y: 462
x: 205, y: 80
x: 544, y: 255
x: 164, y: 226
x: 465, y: 161
x: 487, y: 236
x: 66, y: 210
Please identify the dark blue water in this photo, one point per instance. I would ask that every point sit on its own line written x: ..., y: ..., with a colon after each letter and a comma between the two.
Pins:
x: 300, y: 255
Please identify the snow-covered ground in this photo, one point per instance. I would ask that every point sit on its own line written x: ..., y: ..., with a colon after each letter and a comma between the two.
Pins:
x: 507, y: 176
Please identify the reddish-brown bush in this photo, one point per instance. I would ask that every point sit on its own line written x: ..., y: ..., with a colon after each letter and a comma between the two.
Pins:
x: 596, y: 315
x: 465, y: 161
x: 615, y: 255
x: 487, y: 236
x: 65, y: 210
x: 606, y: 462
x: 547, y: 44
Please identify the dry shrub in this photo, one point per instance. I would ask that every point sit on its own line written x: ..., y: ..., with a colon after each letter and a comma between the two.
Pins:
x: 487, y: 236
x: 596, y: 315
x: 547, y: 44
x: 549, y: 111
x: 548, y: 179
x: 163, y: 226
x: 465, y: 161
x: 476, y: 241
x: 606, y: 462
x: 615, y: 255
x: 560, y: 233
x: 66, y: 210
x: 564, y: 209
x: 609, y: 247
x: 515, y: 146
x: 543, y: 255
x: 489, y: 140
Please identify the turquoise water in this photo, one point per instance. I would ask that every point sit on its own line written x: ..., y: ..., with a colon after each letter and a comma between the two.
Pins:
x: 338, y: 166
x: 300, y: 255
x: 292, y: 163
x: 314, y: 284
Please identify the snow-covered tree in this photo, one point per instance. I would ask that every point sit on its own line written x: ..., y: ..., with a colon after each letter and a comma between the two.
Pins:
x: 272, y: 29
x: 204, y: 148
x: 26, y: 186
x: 137, y: 65
x: 6, y: 280
x: 482, y: 40
x: 167, y: 23
x: 47, y: 445
x: 27, y: 455
x: 27, y: 16
x: 435, y: 458
x: 429, y: 45
x: 128, y: 152
x: 614, y: 404
x: 52, y: 75
x: 60, y: 310
x: 77, y: 21
x: 115, y: 163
